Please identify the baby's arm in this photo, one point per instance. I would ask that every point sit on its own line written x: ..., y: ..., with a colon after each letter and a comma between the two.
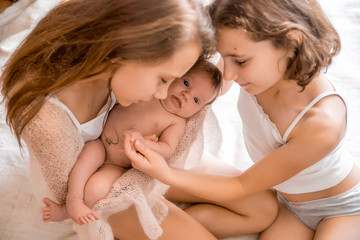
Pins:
x: 168, y: 140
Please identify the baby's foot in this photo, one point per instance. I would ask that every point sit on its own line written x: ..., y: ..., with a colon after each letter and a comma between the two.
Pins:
x: 79, y: 212
x: 53, y: 211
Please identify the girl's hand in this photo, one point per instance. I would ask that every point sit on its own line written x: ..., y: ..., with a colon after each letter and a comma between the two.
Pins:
x: 145, y: 159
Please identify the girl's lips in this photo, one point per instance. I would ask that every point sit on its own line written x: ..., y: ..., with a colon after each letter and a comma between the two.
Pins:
x: 243, y: 84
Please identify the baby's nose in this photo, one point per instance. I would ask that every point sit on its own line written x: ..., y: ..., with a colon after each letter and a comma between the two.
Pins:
x: 185, y: 95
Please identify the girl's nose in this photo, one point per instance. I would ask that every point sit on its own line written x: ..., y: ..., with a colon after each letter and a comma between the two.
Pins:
x: 229, y: 73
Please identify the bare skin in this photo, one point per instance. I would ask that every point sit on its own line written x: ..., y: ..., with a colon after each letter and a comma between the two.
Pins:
x: 53, y: 211
x: 251, y: 215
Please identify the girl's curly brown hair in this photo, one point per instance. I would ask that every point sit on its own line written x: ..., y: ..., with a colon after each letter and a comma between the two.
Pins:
x: 273, y: 20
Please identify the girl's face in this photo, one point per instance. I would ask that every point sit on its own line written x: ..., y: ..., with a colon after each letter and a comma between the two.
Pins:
x: 139, y: 82
x: 255, y: 66
x: 189, y: 94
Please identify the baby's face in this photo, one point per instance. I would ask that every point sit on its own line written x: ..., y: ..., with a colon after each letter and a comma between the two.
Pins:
x: 189, y: 94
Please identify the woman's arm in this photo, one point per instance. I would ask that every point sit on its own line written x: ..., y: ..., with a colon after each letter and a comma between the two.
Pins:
x: 54, y: 142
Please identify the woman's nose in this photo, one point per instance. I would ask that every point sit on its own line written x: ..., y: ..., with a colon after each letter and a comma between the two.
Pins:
x: 161, y: 93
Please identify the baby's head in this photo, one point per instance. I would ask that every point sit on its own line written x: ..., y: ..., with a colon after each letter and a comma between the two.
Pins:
x: 190, y: 93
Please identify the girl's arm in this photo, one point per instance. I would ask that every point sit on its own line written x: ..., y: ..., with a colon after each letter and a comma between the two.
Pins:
x: 310, y: 141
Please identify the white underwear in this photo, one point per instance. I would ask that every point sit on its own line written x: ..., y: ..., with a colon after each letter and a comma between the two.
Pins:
x: 312, y: 212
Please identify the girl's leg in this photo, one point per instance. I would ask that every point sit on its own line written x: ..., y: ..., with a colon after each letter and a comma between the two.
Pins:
x: 346, y: 227
x: 251, y: 215
x: 287, y: 226
x: 177, y: 226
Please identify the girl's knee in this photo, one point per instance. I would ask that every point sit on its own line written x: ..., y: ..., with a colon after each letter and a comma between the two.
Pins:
x: 200, y: 212
x: 266, y: 209
x: 271, y: 206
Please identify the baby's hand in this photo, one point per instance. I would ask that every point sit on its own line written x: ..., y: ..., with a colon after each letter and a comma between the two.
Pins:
x: 134, y: 135
x: 152, y: 137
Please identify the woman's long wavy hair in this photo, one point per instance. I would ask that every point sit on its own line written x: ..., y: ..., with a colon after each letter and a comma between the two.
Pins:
x: 273, y: 20
x: 79, y: 36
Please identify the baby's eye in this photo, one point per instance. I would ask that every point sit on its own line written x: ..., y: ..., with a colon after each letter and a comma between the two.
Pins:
x: 196, y: 100
x: 186, y: 83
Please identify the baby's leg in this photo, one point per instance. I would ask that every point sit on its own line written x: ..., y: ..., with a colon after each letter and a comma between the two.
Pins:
x: 90, y: 159
x: 99, y: 184
x: 53, y: 211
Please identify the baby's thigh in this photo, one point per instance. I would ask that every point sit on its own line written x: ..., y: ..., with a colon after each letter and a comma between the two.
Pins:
x: 99, y: 184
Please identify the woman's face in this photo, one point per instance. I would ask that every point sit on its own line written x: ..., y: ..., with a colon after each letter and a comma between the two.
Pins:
x: 139, y: 82
x: 255, y: 66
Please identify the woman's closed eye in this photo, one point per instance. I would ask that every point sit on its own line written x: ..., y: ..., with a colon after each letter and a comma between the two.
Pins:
x: 164, y: 81
x: 240, y: 63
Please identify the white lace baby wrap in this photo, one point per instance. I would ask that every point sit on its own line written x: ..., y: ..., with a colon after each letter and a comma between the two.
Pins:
x: 49, y: 172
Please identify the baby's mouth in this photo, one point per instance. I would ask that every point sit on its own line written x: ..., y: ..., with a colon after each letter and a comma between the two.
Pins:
x: 177, y: 101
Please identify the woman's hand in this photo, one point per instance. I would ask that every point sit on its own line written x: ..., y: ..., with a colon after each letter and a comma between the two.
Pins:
x: 145, y: 159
